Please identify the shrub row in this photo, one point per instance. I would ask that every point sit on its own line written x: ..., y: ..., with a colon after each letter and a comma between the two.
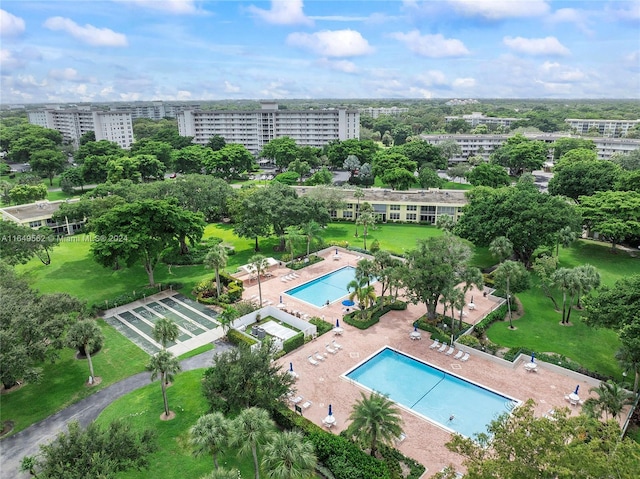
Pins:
x: 497, y: 315
x: 321, y: 325
x: 394, y: 460
x: 353, y: 318
x: 206, y: 291
x: 436, y: 333
x: 127, y: 298
x: 293, y: 342
x: 236, y: 338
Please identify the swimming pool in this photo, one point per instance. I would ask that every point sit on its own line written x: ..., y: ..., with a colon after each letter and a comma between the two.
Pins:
x: 431, y: 392
x: 330, y: 287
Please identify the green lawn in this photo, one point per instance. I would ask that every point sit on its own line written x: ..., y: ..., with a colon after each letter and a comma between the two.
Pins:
x: 142, y: 408
x: 62, y: 382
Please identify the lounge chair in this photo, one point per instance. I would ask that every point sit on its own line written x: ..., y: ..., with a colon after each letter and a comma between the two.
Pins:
x: 318, y: 356
x: 450, y: 351
x: 459, y: 354
x: 435, y: 344
x: 330, y: 349
x: 443, y: 348
x: 313, y: 361
x: 465, y: 358
x: 295, y: 400
x: 283, y: 279
x: 336, y: 345
x: 400, y: 438
x: 306, y: 405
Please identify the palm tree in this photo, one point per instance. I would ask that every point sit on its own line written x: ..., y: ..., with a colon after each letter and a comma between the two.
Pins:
x: 566, y: 236
x: 375, y: 419
x: 210, y: 435
x: 588, y: 278
x: 288, y: 455
x: 293, y: 234
x: 357, y: 194
x: 611, y: 398
x: 311, y: 230
x: 365, y: 270
x: 365, y: 294
x: 630, y: 362
x: 260, y: 264
x: 86, y: 336
x: 228, y: 314
x: 471, y: 277
x: 508, y: 273
x: 501, y: 248
x: 223, y: 474
x: 448, y: 299
x: 217, y: 259
x: 163, y: 365
x: 251, y: 428
x: 568, y: 281
x: 367, y: 219
x: 165, y: 331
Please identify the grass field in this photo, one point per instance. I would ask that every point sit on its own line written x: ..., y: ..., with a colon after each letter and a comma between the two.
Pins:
x: 174, y: 459
x: 62, y: 383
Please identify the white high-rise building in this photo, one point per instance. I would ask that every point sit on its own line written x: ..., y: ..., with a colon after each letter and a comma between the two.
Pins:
x: 255, y: 128
x: 115, y: 126
x: 476, y: 118
x: 610, y: 128
x: 154, y: 110
x: 375, y: 112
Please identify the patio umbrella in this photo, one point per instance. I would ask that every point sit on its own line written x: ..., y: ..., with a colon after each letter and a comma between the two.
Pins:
x: 336, y: 250
x: 337, y: 322
x: 330, y: 412
x: 533, y: 355
x: 281, y: 298
x: 290, y: 366
x: 415, y: 328
x: 472, y: 299
x: 348, y: 302
x: 576, y: 391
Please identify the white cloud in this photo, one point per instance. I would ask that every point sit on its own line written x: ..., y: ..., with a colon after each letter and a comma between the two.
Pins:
x: 344, y: 66
x: 87, y: 34
x: 10, y: 25
x: 9, y: 61
x: 183, y: 95
x: 287, y: 12
x: 274, y: 90
x: 229, y: 88
x: 432, y: 46
x: 499, y: 9
x: 68, y: 74
x: 433, y: 78
x: 464, y: 83
x: 570, y: 15
x: 170, y: 6
x: 630, y: 11
x: 331, y: 43
x: 536, y: 46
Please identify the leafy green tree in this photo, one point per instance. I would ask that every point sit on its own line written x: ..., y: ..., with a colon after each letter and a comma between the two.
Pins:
x: 48, y: 163
x: 520, y: 154
x: 85, y: 336
x: 398, y: 178
x: 449, y: 148
x: 628, y: 181
x: 352, y: 163
x: 565, y: 237
x: 488, y: 174
x: 98, y: 148
x: 288, y: 455
x: 191, y: 159
x: 216, y: 143
x: 501, y: 248
x: 365, y: 176
x: 141, y: 231
x: 512, y: 277
x: 20, y: 243
x: 572, y: 157
x: 629, y: 353
x: 428, y: 178
x: 568, y: 281
x: 424, y: 154
x: 216, y: 259
x: 243, y: 377
x: 210, y: 435
x: 158, y: 149
x: 459, y: 170
x: 611, y: 399
x: 282, y: 150
x: 165, y: 331
x: 123, y: 168
x: 615, y: 215
x: 259, y: 265
x: 229, y: 162
x: 375, y: 420
x: 311, y: 231
x: 251, y: 215
x: 301, y: 168
x: 199, y: 194
x: 289, y: 178
x: 226, y: 317
x: 23, y: 194
x: 457, y: 125
x: 96, y: 451
x: 150, y: 167
x: 252, y: 428
x: 321, y: 177
x: 163, y: 365
x: 614, y: 307
x: 71, y: 178
x: 584, y: 178
x: 385, y: 161
x: 337, y: 151
x: 522, y: 444
x: 364, y: 293
x: 544, y: 266
x: 627, y: 161
x: 445, y: 223
x: 433, y: 267
x: 564, y: 145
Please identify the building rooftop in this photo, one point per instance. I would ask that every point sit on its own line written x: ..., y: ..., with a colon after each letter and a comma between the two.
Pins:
x: 21, y: 213
x: 381, y: 195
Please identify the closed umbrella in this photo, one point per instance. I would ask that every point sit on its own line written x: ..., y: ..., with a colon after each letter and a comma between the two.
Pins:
x: 576, y: 391
x: 533, y: 355
x: 329, y: 420
x: 337, y: 322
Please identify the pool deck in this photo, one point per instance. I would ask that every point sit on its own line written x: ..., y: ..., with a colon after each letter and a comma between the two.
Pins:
x: 322, y: 384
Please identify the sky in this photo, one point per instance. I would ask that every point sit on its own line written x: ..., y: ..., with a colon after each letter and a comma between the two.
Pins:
x: 188, y: 50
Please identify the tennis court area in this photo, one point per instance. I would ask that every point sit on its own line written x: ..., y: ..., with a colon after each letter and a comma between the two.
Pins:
x: 196, y: 323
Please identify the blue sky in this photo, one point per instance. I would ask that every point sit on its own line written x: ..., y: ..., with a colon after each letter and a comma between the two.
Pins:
x: 125, y: 50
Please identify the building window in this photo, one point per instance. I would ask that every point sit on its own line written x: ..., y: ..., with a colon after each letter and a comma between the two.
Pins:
x: 333, y: 213
x: 347, y: 214
x: 412, y: 208
x: 394, y: 216
x: 394, y: 207
x: 35, y: 224
x: 411, y: 216
x: 349, y: 206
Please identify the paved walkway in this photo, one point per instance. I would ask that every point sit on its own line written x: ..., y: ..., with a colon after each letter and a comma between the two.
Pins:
x: 28, y: 441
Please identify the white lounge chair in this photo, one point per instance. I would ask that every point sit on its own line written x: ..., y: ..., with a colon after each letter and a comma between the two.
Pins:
x: 313, y: 361
x: 331, y: 350
x: 318, y: 356
x: 284, y: 279
x: 336, y: 345
x: 295, y: 400
x: 465, y: 358
x: 306, y: 405
x: 443, y: 348
x: 459, y: 354
x: 435, y: 344
x: 450, y: 351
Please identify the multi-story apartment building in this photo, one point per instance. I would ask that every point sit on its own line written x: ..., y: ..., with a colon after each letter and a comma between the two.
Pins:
x: 477, y: 118
x: 609, y: 128
x: 376, y: 112
x: 255, y: 128
x: 413, y: 206
x: 73, y: 123
x: 154, y: 110
x: 484, y: 145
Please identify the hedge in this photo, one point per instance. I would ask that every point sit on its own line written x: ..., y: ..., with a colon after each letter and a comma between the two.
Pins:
x: 293, y: 342
x: 394, y: 460
x: 556, y: 359
x: 436, y: 333
x: 236, y: 338
x: 497, y: 315
x: 321, y: 325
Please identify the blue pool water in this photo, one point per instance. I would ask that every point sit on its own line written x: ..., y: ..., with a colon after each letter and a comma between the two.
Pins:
x: 332, y: 287
x: 431, y: 392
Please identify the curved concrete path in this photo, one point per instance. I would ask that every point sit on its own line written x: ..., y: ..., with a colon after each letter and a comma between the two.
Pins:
x: 28, y: 441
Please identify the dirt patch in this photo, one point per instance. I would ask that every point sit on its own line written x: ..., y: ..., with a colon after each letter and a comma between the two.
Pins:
x: 17, y: 386
x: 7, y: 427
x: 96, y: 380
x: 164, y: 417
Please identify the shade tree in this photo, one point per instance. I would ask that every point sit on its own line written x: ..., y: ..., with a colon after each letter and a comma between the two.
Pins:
x: 424, y: 153
x: 614, y: 215
x: 97, y: 148
x: 23, y: 194
x: 428, y: 178
x: 584, y: 178
x: 282, y: 151
x: 488, y: 174
x: 48, y: 163
x: 20, y: 243
x: 228, y: 162
x: 520, y: 154
x: 563, y: 145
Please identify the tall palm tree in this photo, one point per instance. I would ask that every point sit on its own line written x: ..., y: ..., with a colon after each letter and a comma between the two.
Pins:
x: 365, y: 294
x: 292, y: 235
x: 357, y: 194
x: 367, y: 219
x: 471, y: 277
x: 568, y: 281
x: 252, y: 428
x: 210, y: 435
x: 228, y: 314
x: 501, y: 247
x: 165, y: 331
x: 85, y: 335
x: 588, y: 279
x: 566, y: 236
x: 375, y: 419
x: 508, y: 273
x: 288, y: 455
x: 217, y: 259
x: 365, y: 270
x: 311, y: 230
x: 260, y: 264
x: 611, y: 398
x: 163, y: 365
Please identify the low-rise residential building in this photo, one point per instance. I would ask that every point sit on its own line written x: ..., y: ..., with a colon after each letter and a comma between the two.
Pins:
x: 255, y: 128
x: 477, y: 118
x: 154, y: 110
x: 375, y: 112
x: 40, y: 213
x: 607, y: 128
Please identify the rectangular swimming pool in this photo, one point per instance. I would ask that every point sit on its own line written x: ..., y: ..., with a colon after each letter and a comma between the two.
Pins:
x: 448, y: 400
x: 330, y: 287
